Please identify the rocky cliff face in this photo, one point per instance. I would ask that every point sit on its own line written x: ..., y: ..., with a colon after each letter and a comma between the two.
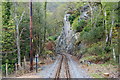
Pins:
x: 64, y: 40
x: 67, y: 39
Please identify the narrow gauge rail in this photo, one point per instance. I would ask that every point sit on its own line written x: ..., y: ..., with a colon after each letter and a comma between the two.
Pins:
x: 63, y: 62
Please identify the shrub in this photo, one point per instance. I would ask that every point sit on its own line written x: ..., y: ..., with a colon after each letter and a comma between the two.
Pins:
x: 48, y: 52
x: 92, y: 35
x: 78, y: 25
x: 10, y: 68
x: 96, y: 49
x: 53, y: 38
x: 71, y: 18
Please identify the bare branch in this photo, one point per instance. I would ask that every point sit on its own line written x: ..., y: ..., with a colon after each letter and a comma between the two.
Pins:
x: 22, y: 31
x: 5, y: 52
x: 21, y: 17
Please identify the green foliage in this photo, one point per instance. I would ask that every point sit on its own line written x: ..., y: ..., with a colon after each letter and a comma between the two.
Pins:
x: 88, y: 58
x: 53, y: 38
x: 108, y: 49
x: 96, y: 48
x: 72, y: 18
x: 92, y: 35
x: 10, y: 68
x: 78, y: 25
x: 96, y: 58
x: 96, y: 75
x: 3, y: 68
x: 48, y: 52
x: 8, y: 40
x: 6, y: 6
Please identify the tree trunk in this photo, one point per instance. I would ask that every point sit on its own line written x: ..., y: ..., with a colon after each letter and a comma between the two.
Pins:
x: 6, y: 69
x: 45, y: 22
x: 18, y: 45
x: 119, y: 59
x: 17, y: 22
x: 114, y: 55
x: 17, y: 36
x: 105, y: 27
x: 110, y: 34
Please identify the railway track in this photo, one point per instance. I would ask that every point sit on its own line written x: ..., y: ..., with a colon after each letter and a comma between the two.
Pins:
x: 63, y: 67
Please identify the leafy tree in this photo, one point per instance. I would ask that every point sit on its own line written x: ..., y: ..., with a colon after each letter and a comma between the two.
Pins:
x: 78, y: 24
x: 8, y: 41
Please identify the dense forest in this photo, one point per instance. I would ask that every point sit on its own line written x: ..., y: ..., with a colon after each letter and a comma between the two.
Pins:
x: 95, y: 27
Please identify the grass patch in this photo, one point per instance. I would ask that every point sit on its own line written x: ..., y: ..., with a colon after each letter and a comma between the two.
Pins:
x: 112, y: 62
x: 104, y: 64
x: 96, y: 75
x: 100, y: 59
x: 88, y: 58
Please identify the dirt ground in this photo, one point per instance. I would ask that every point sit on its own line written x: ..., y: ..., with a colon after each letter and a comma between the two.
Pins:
x: 98, y: 70
x: 27, y: 73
